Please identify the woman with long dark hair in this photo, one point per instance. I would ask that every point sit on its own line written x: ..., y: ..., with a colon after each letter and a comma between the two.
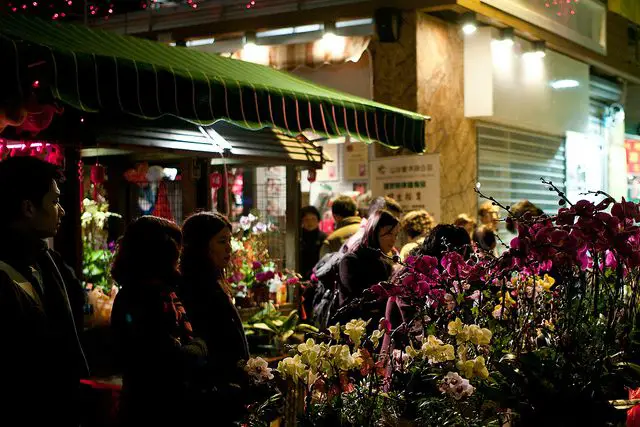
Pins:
x: 366, y: 264
x: 205, y: 256
x: 157, y: 351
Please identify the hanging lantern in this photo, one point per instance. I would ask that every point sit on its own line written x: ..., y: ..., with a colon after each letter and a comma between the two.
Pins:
x: 312, y: 176
x: 98, y: 173
x: 215, y: 180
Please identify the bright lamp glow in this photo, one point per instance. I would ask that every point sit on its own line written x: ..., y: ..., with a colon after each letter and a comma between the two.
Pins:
x: 469, y: 28
x: 565, y: 84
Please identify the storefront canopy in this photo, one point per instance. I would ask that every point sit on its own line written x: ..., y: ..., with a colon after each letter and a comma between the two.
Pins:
x: 98, y: 71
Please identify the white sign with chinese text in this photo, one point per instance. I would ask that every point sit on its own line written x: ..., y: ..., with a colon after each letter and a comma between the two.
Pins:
x: 356, y: 161
x: 413, y: 181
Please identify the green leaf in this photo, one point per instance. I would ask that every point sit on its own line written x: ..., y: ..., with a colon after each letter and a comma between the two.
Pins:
x: 292, y: 321
x: 278, y: 322
x: 262, y: 326
x: 287, y: 335
x: 303, y: 327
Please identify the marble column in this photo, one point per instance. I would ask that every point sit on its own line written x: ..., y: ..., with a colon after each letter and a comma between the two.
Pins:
x: 423, y: 72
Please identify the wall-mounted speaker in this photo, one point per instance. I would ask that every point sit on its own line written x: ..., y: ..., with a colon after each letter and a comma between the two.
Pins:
x: 388, y: 22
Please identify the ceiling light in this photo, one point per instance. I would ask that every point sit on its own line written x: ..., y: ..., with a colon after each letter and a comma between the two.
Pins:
x: 539, y: 50
x: 507, y: 36
x: 329, y: 30
x: 565, y: 84
x: 469, y: 23
x: 249, y: 39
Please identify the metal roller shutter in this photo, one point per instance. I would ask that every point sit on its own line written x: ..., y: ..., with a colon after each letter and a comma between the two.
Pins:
x: 511, y: 163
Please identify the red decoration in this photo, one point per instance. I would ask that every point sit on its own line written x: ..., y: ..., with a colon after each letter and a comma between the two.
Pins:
x: 633, y: 414
x: 98, y: 175
x: 633, y: 156
x: 162, y: 208
x: 312, y: 176
x: 29, y: 117
x: 215, y: 180
x: 51, y: 153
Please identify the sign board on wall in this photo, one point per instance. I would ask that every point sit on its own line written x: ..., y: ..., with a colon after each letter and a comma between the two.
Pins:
x: 356, y: 161
x: 331, y: 170
x: 414, y: 181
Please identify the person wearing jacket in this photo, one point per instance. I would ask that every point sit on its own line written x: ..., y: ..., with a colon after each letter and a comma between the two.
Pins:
x: 345, y: 214
x: 41, y: 301
x: 206, y: 255
x: 157, y: 350
x: 366, y: 265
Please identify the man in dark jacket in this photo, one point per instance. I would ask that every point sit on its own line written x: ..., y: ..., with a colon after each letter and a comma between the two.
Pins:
x: 40, y: 307
x: 311, y: 240
x: 345, y: 215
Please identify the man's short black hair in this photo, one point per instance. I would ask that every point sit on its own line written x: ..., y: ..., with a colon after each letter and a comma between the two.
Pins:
x: 344, y: 206
x: 309, y: 210
x: 24, y: 178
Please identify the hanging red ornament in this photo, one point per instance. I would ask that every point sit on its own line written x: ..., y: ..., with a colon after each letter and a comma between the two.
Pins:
x: 312, y: 176
x: 81, y: 180
x: 215, y: 180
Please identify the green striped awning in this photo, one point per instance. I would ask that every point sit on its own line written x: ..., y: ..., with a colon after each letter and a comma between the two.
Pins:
x: 98, y: 71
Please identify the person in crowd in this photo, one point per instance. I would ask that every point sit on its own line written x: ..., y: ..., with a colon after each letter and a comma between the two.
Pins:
x: 366, y: 264
x: 519, y: 209
x: 206, y: 255
x: 442, y: 239
x: 485, y: 240
x: 489, y: 215
x: 41, y: 301
x: 347, y: 221
x: 311, y: 240
x: 417, y: 224
x: 157, y: 350
x: 466, y: 222
x: 386, y: 203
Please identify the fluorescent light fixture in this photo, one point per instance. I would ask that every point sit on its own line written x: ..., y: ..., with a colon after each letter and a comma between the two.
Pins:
x: 565, y: 84
x: 469, y: 23
x: 307, y: 28
x: 200, y: 42
x: 354, y: 23
x: 276, y: 32
x: 329, y: 30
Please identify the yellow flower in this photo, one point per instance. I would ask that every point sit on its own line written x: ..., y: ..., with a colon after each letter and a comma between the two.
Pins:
x: 480, y: 369
x: 335, y: 331
x: 508, y: 300
x: 436, y: 351
x: 310, y: 351
x: 375, y: 337
x: 455, y: 327
x: 464, y: 334
x: 463, y: 352
x: 355, y: 329
x: 475, y: 367
x: 411, y: 352
x: 479, y: 336
x: 466, y: 368
x: 292, y: 367
x: 547, y: 282
x: 500, y: 312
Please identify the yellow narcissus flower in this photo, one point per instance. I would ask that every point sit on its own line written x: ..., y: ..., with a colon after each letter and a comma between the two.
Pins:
x: 335, y: 331
x: 455, y: 327
x: 375, y: 337
x: 355, y: 329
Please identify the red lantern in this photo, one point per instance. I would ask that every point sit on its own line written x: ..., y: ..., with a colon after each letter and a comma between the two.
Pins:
x: 312, y: 176
x: 97, y: 174
x: 215, y: 180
